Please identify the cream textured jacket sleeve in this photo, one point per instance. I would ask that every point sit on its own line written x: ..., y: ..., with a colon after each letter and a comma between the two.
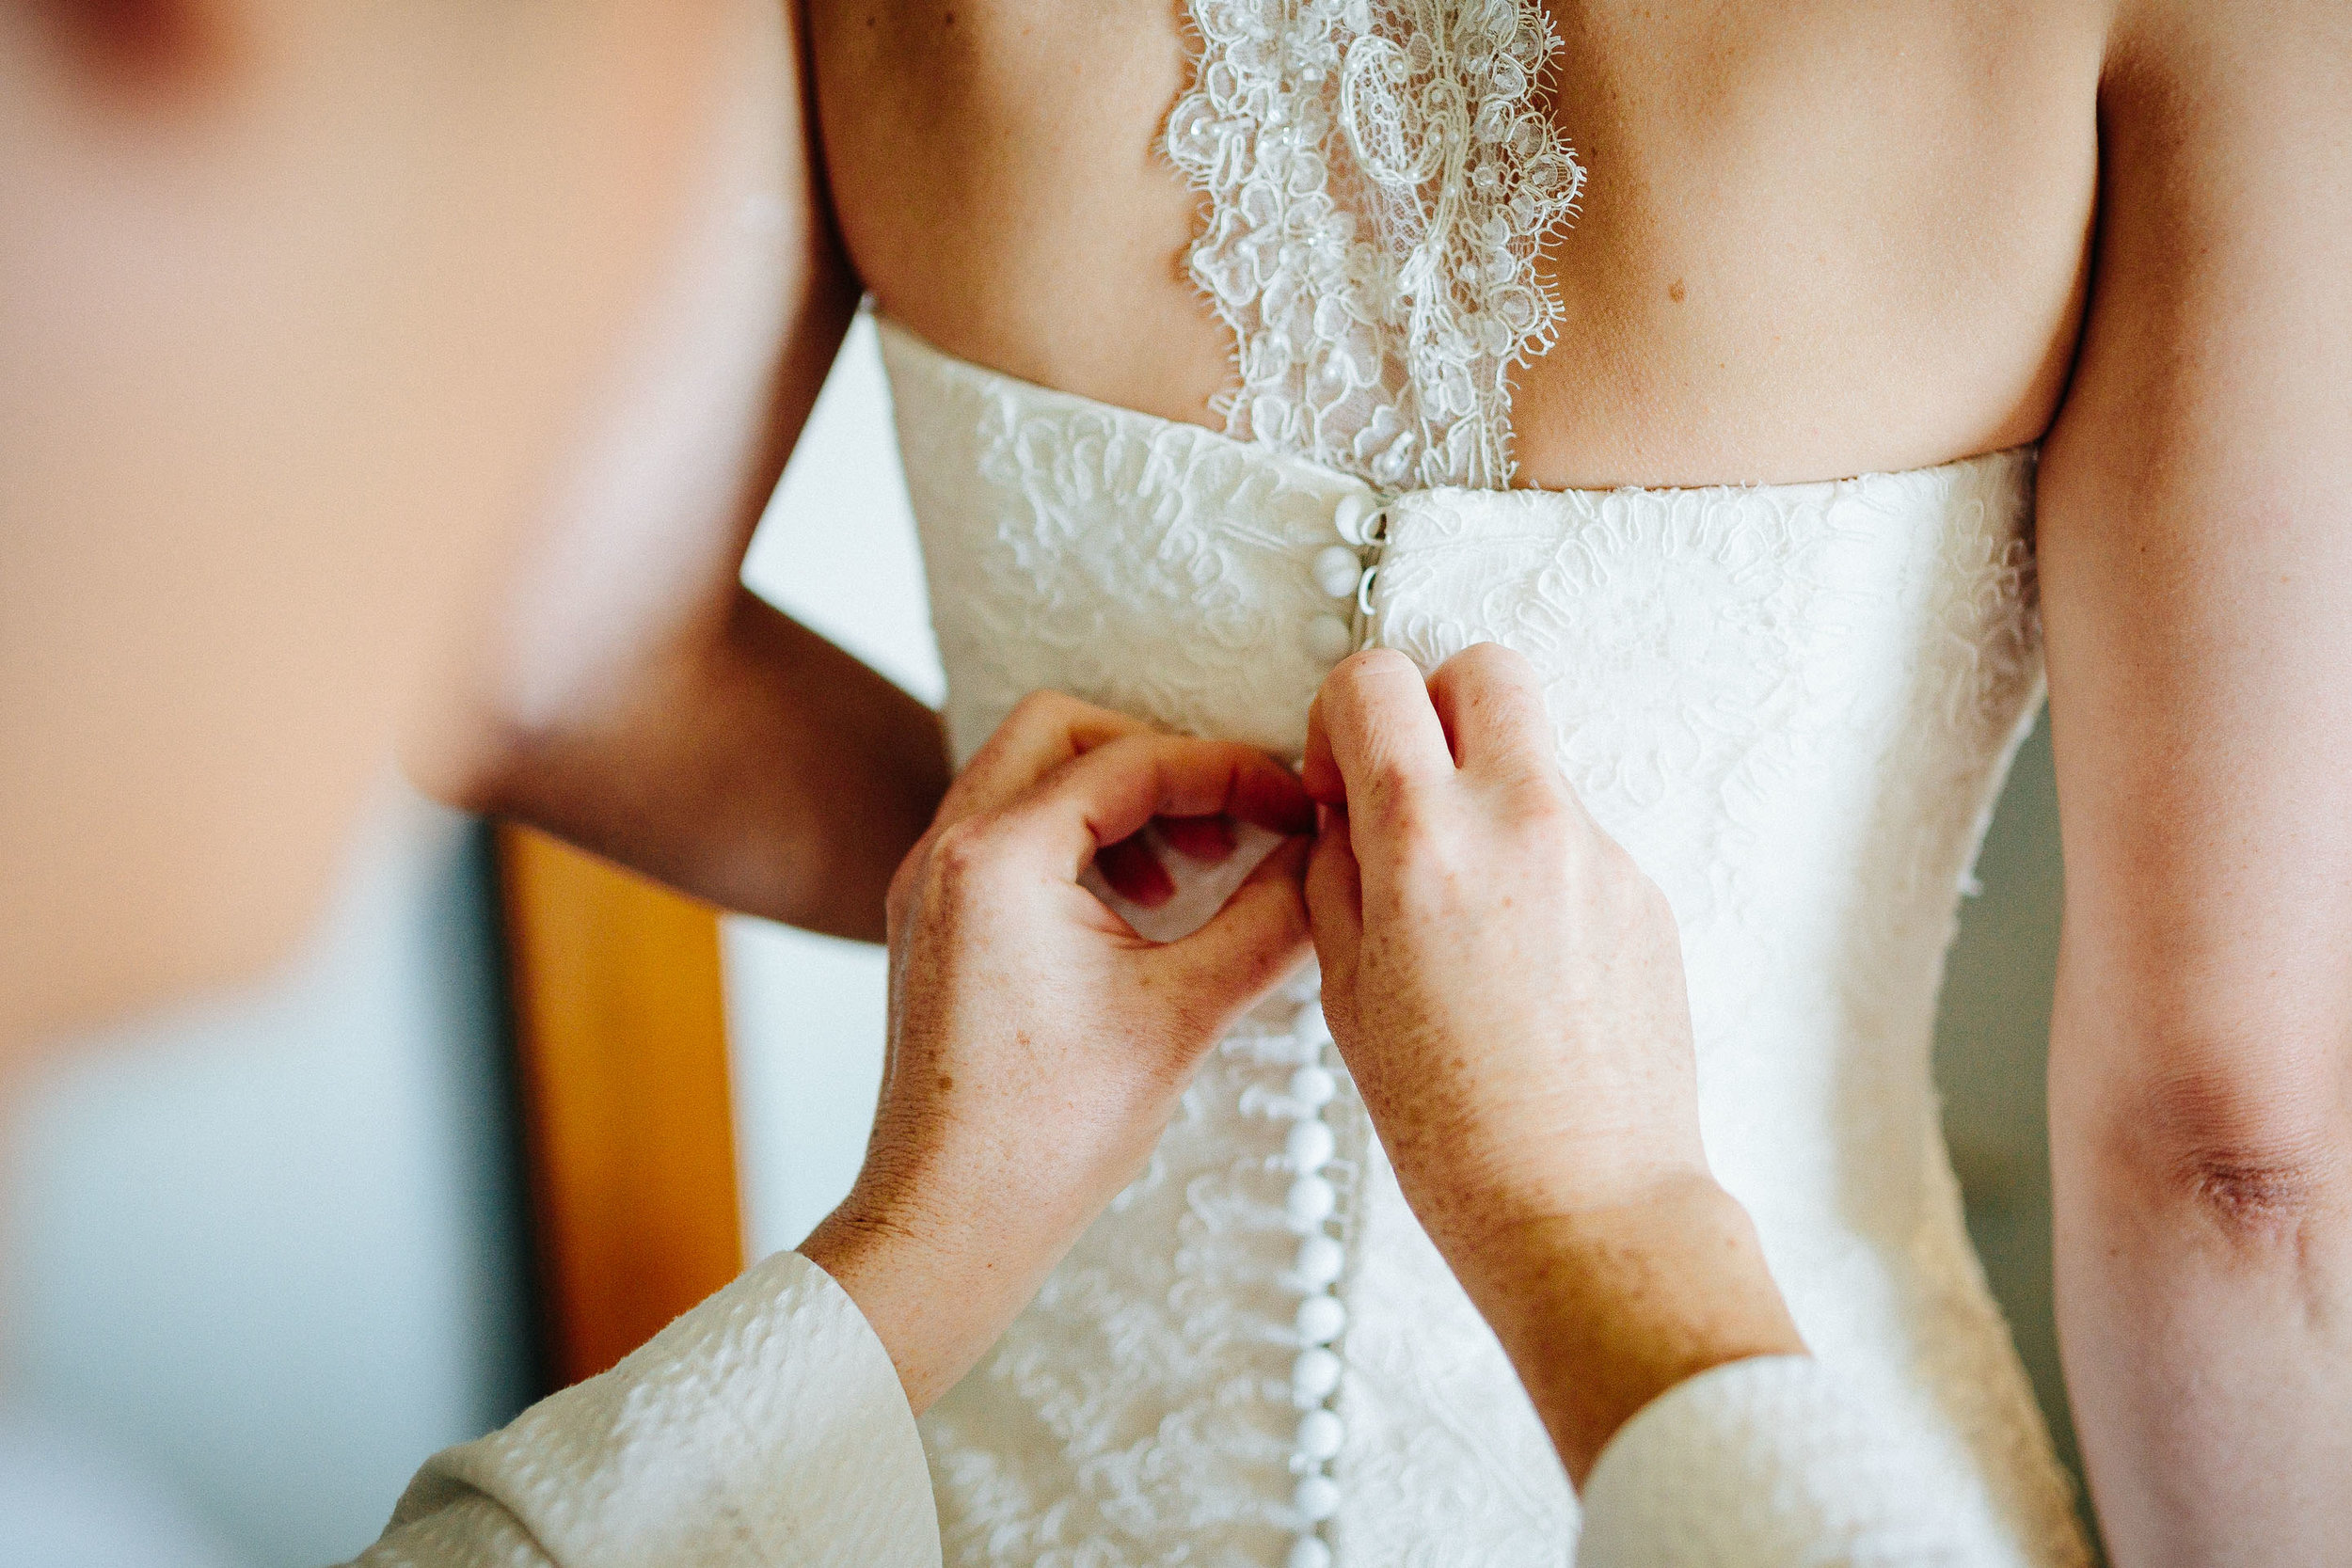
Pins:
x: 764, y: 1427
x: 1772, y: 1463
x: 767, y: 1427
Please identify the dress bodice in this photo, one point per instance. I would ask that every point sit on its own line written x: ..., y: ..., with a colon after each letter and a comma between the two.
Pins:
x: 1793, y: 705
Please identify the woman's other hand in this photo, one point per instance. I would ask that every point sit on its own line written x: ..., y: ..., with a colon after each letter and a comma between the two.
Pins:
x: 1037, y: 1044
x: 1507, y: 987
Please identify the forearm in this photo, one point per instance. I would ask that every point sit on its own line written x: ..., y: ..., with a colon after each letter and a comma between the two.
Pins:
x: 937, y: 1296
x: 2192, y: 542
x: 2204, y: 1268
x: 757, y: 766
x: 626, y: 692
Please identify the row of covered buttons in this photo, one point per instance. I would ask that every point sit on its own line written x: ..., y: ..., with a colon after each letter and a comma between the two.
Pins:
x: 1339, y: 570
x: 1310, y: 1206
x: 1308, y: 1149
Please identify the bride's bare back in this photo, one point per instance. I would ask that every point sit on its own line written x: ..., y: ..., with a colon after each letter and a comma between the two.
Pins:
x: 1815, y: 241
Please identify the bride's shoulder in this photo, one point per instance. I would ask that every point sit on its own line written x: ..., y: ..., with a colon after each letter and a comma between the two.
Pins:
x: 995, y: 171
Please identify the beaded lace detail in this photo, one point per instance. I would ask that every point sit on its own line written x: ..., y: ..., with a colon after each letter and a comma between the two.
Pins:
x: 1380, y: 175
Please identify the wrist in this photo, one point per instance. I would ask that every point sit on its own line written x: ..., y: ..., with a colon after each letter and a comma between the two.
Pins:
x: 936, y: 1294
x: 1603, y: 1307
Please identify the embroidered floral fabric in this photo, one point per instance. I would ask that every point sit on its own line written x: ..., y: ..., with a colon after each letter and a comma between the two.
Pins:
x: 1793, y: 705
x: 1379, y: 175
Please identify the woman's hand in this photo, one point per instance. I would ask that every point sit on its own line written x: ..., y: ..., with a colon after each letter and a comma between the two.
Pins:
x: 1507, y: 987
x: 1037, y: 1043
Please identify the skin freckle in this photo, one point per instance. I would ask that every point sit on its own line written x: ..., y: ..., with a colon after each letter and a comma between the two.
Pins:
x: 1676, y: 292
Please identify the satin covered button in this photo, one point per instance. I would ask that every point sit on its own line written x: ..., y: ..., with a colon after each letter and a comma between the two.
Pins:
x: 1314, y: 1086
x: 1335, y: 570
x: 1309, y: 1201
x: 1310, y: 1145
x: 1349, y: 517
x: 1329, y: 639
x: 1317, y: 1497
x: 1320, y: 1434
x: 1316, y: 1374
x: 1309, y: 1028
x: 1320, y: 1319
x: 1321, y: 1260
x: 1309, y: 1551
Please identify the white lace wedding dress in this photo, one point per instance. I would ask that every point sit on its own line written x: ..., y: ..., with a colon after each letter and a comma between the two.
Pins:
x: 1793, y: 705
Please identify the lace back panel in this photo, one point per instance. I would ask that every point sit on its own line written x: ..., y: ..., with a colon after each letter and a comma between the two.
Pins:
x: 1379, y: 175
